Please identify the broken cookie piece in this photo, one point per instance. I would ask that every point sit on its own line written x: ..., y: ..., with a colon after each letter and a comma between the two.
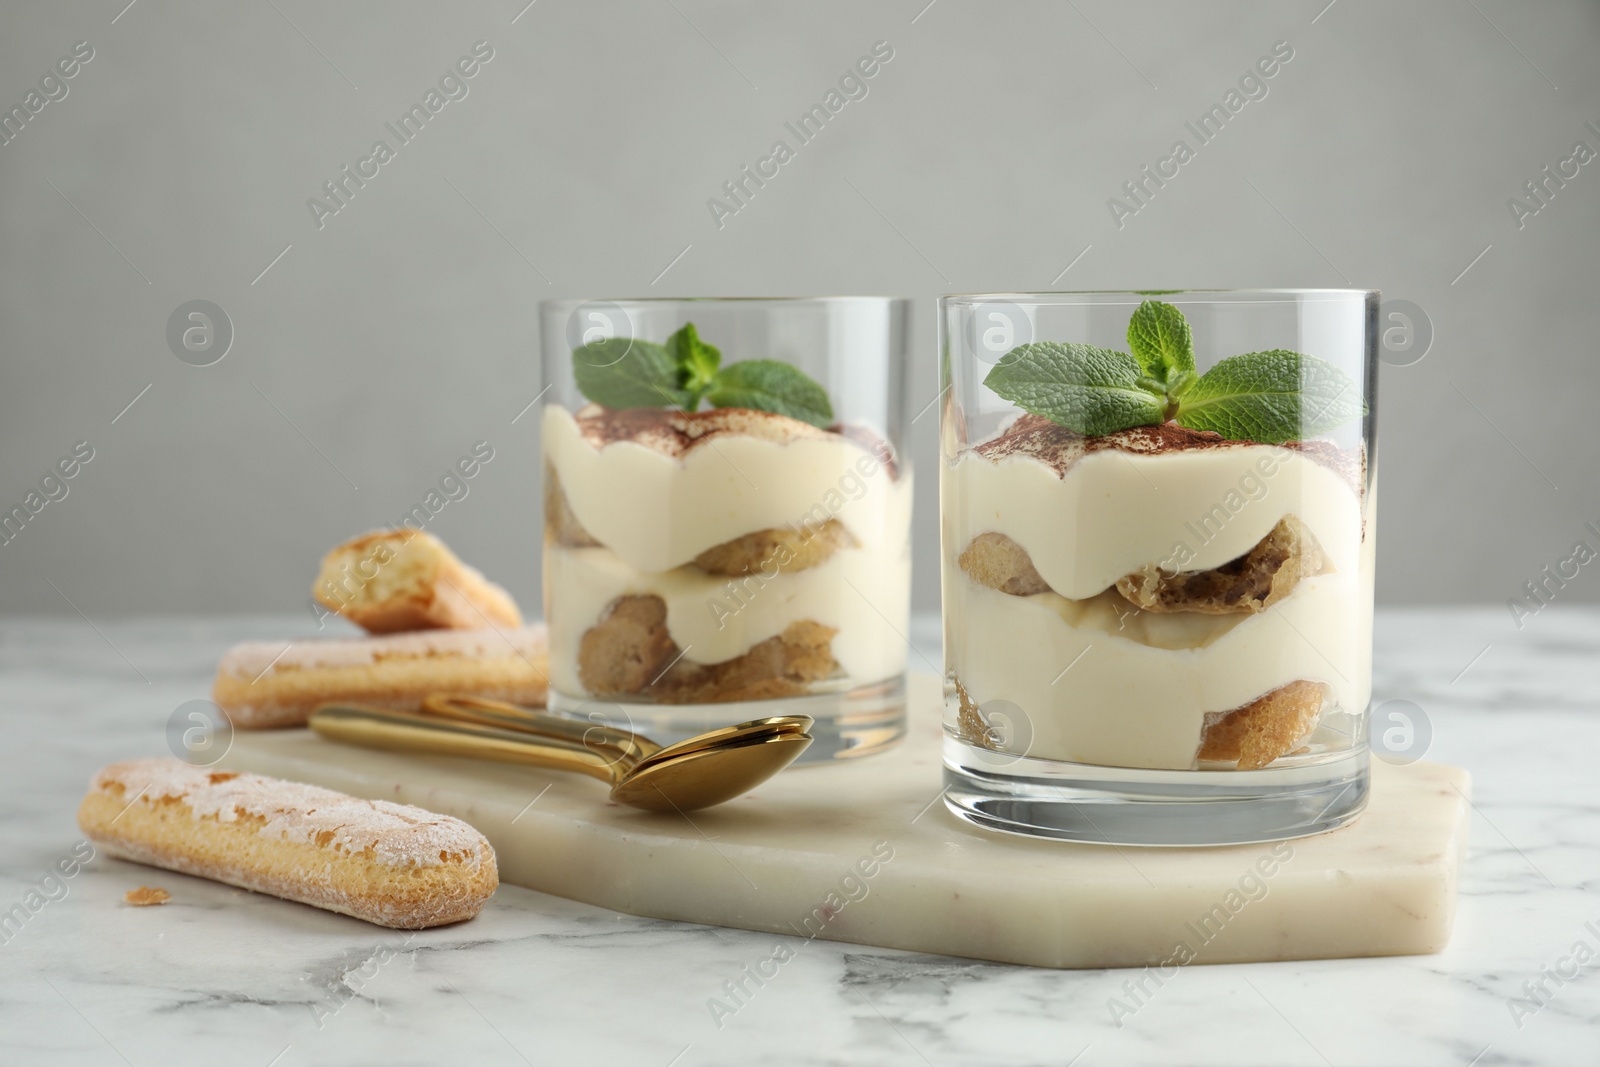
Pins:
x: 403, y: 579
x: 1246, y: 585
x: 785, y: 549
x: 1264, y: 729
x: 995, y: 560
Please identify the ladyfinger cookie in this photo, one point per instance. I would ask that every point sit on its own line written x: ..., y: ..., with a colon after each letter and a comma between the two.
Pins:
x: 280, y: 683
x: 389, y: 864
x: 395, y: 580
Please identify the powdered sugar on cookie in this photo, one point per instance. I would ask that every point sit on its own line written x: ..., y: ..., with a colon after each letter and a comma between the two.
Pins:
x: 255, y: 657
x: 396, y: 835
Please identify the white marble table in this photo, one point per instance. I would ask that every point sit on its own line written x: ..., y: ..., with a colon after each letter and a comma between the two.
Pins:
x: 222, y: 976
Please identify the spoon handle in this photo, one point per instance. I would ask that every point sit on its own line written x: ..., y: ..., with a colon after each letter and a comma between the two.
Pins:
x: 402, y: 731
x: 631, y: 747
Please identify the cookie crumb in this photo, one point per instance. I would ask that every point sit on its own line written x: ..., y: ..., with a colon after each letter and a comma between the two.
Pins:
x: 146, y: 896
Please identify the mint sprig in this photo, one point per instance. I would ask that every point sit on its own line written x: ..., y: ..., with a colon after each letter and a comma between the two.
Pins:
x: 623, y: 373
x: 1269, y: 397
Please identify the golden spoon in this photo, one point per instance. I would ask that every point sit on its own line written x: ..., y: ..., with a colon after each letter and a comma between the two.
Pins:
x: 620, y: 743
x: 635, y: 748
x: 690, y: 779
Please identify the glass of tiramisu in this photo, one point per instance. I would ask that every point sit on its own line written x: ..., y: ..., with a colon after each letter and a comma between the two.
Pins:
x: 1157, y: 546
x: 727, y: 514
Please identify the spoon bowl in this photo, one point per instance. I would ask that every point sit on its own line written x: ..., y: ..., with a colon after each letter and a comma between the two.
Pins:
x: 756, y: 730
x: 697, y: 773
x: 708, y: 777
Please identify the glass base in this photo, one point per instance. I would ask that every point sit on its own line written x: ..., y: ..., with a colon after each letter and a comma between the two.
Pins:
x: 859, y: 722
x: 1130, y: 806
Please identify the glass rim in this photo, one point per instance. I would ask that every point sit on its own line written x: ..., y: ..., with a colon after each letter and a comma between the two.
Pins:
x: 1148, y: 294
x: 556, y: 302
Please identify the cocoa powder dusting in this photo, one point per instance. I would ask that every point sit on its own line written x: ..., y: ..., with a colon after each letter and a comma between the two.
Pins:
x: 674, y: 432
x: 1059, y: 448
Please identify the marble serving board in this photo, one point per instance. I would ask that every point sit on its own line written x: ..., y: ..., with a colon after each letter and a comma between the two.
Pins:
x: 864, y: 851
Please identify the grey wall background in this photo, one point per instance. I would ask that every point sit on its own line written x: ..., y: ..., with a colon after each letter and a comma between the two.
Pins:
x: 378, y: 348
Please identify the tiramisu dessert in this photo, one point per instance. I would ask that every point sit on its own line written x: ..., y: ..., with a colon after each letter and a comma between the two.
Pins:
x: 751, y: 551
x: 1174, y: 580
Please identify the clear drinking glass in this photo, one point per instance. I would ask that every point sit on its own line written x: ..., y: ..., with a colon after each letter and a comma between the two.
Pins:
x: 1158, y: 562
x: 727, y: 528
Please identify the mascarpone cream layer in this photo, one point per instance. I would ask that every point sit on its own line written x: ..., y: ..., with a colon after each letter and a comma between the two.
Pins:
x: 657, y: 512
x: 1125, y: 704
x: 712, y: 624
x: 1114, y: 512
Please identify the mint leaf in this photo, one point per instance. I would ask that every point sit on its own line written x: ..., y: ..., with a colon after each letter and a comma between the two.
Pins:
x: 1159, y: 336
x: 696, y: 361
x: 1086, y: 389
x: 620, y: 372
x: 1270, y: 397
x: 768, y: 385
